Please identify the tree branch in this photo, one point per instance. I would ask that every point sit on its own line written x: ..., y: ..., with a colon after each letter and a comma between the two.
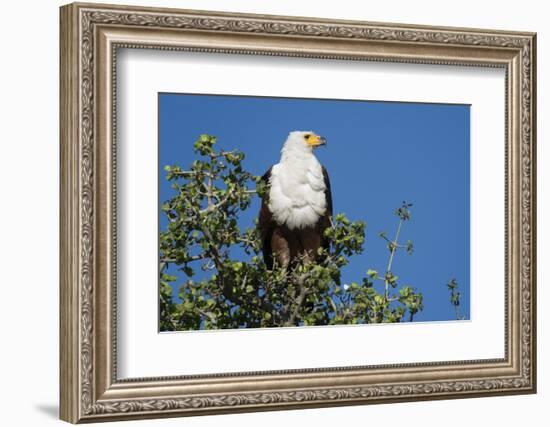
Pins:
x: 208, y: 315
x: 212, y: 207
x: 299, y: 299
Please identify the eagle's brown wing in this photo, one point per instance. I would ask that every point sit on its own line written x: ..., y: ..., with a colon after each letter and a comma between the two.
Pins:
x: 325, y: 220
x: 266, y: 224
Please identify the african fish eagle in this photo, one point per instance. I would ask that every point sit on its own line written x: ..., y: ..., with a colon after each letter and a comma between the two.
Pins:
x: 297, y: 208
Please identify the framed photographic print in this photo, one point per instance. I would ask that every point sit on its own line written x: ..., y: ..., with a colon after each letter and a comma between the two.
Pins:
x: 266, y: 212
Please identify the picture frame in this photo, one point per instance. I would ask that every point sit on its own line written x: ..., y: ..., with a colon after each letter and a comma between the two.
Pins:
x: 91, y: 37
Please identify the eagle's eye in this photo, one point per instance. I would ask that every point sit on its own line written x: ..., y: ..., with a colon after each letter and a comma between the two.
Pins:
x: 307, y: 136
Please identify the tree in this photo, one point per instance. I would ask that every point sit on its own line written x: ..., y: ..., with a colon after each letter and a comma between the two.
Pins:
x: 236, y: 289
x: 452, y: 286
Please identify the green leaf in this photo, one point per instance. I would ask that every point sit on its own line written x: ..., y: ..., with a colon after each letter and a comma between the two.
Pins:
x: 372, y: 273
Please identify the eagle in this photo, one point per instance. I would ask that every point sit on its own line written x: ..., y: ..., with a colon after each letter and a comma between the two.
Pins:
x: 297, y: 206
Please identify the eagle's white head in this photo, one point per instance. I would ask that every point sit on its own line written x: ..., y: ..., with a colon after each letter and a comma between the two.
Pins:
x: 300, y: 143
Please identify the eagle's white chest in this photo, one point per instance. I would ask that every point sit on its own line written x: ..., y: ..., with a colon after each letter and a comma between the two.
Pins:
x: 297, y: 192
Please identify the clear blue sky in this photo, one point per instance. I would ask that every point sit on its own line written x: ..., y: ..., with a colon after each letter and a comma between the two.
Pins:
x: 378, y: 154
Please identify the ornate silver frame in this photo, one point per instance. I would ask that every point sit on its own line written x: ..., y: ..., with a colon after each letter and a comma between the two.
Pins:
x: 90, y: 36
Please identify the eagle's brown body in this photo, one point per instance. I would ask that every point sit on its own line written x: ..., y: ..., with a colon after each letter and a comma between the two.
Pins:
x: 285, y: 245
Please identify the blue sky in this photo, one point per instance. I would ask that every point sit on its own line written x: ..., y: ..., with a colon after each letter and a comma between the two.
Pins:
x: 378, y: 155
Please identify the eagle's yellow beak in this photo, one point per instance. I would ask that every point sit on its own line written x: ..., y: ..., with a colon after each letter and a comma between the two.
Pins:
x: 315, y: 140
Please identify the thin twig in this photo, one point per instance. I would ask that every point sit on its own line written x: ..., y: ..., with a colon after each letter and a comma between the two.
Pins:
x: 209, y: 191
x: 393, y: 246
